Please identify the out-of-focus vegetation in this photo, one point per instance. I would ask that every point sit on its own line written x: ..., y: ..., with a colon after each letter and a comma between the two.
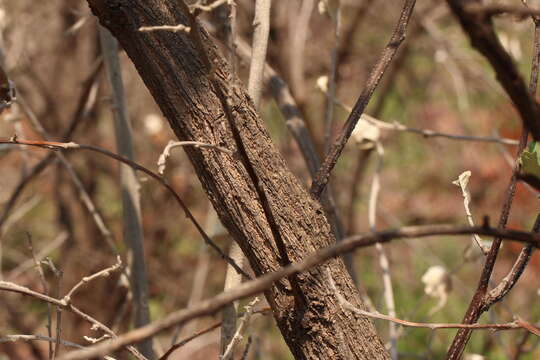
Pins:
x: 437, y: 82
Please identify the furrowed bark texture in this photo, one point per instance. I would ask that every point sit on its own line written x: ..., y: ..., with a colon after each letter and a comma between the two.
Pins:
x: 177, y: 75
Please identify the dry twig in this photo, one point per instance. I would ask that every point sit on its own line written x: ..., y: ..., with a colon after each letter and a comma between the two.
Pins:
x: 323, y: 175
x: 262, y: 283
x: 51, y: 145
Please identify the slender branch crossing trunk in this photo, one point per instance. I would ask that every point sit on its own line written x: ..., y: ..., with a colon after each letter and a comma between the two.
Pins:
x: 177, y: 74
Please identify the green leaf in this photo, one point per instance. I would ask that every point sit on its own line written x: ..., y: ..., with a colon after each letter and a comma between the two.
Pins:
x: 530, y: 161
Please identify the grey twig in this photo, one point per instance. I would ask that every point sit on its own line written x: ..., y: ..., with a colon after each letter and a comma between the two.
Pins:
x: 129, y: 186
x: 261, y: 29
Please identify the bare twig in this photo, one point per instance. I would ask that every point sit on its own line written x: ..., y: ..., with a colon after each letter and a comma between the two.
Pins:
x: 85, y: 280
x: 299, y: 23
x: 86, y: 101
x: 427, y: 133
x: 173, y: 28
x: 227, y: 355
x: 65, y: 304
x: 479, y: 28
x: 58, y: 274
x: 323, y: 175
x: 9, y: 286
x: 43, y: 281
x: 51, y: 145
x: 261, y: 29
x: 484, y: 39
x: 508, y: 282
x: 162, y: 161
x: 50, y: 340
x: 383, y: 258
x: 332, y: 79
x: 202, y: 332
x: 502, y: 9
x: 75, y: 178
x: 262, y: 283
x: 247, y: 348
x: 229, y: 313
x: 210, y: 7
x: 129, y: 186
x: 213, y: 228
x: 515, y: 325
x: 28, y: 264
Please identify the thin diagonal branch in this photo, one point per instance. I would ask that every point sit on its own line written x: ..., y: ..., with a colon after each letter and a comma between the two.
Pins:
x: 51, y: 145
x: 323, y: 175
x: 483, y: 38
x: 264, y: 282
x: 481, y: 33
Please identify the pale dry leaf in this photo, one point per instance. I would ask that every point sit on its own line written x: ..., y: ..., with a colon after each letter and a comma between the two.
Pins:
x: 437, y: 284
x: 473, y: 357
x: 365, y: 132
x: 322, y: 83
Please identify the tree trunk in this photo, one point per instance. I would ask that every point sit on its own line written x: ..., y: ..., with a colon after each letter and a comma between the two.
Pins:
x: 190, y: 93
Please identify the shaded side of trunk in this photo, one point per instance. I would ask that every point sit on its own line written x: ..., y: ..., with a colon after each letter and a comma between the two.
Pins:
x: 173, y: 69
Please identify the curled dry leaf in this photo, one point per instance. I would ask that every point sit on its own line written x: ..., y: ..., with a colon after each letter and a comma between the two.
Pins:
x: 366, y: 133
x: 438, y: 284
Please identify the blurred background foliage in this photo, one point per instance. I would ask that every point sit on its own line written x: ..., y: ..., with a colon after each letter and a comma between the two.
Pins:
x: 436, y: 82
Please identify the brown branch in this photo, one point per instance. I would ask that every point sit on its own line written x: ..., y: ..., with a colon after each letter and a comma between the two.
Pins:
x: 65, y: 304
x: 264, y: 282
x: 502, y: 9
x: 323, y: 175
x: 202, y: 332
x: 508, y: 282
x: 52, y: 145
x: 484, y: 39
x: 479, y: 28
x: 79, y: 114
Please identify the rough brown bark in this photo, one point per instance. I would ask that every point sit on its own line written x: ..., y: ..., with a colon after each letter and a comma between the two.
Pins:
x: 176, y: 73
